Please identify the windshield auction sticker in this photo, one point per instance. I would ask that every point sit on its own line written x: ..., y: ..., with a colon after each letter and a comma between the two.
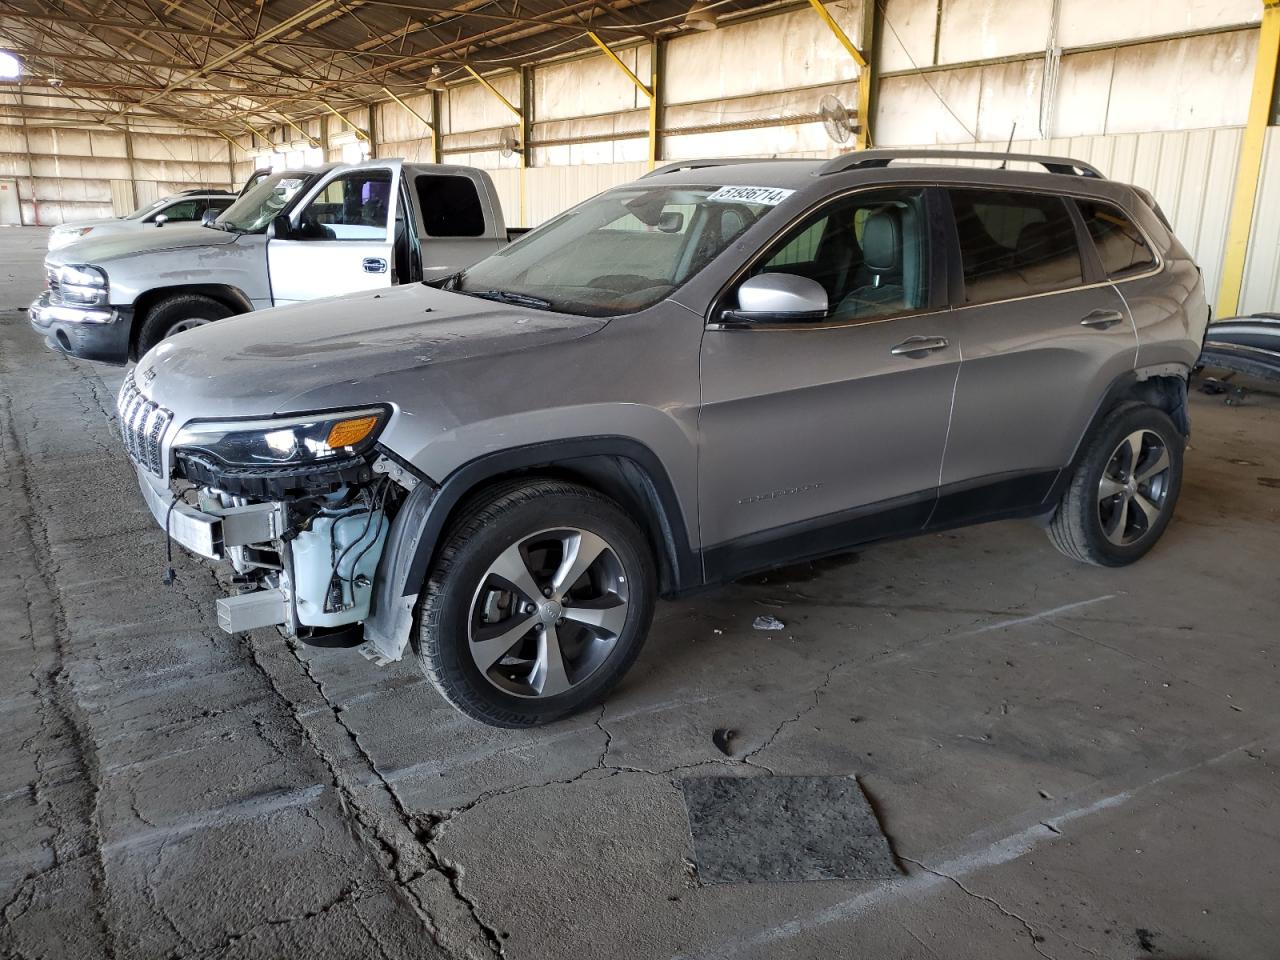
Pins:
x: 769, y: 196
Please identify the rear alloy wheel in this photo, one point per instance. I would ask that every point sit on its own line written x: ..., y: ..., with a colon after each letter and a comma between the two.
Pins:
x: 1124, y: 488
x: 538, y: 602
x: 1133, y: 488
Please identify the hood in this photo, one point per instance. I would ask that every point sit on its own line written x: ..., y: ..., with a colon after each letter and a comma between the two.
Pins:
x: 352, y: 350
x: 129, y: 243
x: 81, y: 224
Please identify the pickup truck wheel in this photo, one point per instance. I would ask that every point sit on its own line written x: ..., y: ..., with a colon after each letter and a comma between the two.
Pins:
x: 174, y: 314
x: 1123, y: 492
x: 538, y: 603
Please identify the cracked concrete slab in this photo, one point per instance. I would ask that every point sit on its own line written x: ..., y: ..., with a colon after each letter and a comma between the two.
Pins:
x: 1061, y: 756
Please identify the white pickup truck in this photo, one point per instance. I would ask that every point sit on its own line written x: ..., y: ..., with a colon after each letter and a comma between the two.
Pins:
x: 297, y: 235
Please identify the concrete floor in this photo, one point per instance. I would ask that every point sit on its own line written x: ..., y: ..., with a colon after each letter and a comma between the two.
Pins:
x: 1069, y: 761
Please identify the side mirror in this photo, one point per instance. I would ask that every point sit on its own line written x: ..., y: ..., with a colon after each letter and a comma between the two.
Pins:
x: 208, y: 216
x: 279, y: 228
x: 161, y: 219
x: 779, y: 296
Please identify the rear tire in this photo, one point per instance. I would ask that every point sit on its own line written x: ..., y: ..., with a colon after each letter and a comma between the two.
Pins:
x: 174, y: 314
x: 538, y: 602
x: 1124, y: 489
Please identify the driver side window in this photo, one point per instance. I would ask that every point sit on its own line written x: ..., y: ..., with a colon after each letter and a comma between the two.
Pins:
x: 350, y: 207
x: 869, y: 252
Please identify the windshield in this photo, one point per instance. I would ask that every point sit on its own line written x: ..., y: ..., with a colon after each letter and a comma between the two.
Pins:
x: 617, y: 253
x: 146, y: 208
x: 256, y: 208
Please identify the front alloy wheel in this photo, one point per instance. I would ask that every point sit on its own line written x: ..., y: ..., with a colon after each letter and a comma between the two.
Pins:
x: 548, y: 612
x: 537, y: 603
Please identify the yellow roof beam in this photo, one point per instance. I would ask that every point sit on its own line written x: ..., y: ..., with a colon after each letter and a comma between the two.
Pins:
x: 494, y: 90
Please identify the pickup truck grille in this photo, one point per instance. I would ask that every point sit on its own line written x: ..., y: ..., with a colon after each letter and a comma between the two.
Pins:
x: 142, y: 425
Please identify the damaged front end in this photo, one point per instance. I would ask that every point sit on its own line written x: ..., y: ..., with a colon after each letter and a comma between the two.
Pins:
x: 300, y: 507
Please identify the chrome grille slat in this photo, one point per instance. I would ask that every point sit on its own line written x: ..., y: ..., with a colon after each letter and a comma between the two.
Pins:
x: 142, y: 426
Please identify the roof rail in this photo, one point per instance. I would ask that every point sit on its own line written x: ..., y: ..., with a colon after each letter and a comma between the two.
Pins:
x: 680, y: 165
x: 882, y: 158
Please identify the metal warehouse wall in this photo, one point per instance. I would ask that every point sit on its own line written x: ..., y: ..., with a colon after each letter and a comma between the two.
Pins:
x: 68, y: 174
x: 1152, y: 93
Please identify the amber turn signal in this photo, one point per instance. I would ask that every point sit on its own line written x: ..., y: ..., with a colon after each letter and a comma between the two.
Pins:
x: 347, y: 433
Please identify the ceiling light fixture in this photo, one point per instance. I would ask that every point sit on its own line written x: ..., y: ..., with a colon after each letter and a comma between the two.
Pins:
x: 10, y: 66
x: 701, y: 16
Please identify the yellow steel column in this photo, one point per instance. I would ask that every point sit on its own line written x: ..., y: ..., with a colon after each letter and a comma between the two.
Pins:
x: 1247, y: 173
x: 864, y: 78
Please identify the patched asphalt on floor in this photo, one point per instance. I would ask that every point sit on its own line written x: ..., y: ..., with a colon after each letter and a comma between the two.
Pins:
x: 1067, y: 761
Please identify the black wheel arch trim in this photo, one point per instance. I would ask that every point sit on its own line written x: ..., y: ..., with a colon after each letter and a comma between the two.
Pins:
x: 421, y: 522
x: 1129, y: 386
x: 229, y: 296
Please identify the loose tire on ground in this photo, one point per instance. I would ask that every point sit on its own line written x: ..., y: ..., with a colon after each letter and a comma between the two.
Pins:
x: 497, y: 569
x: 1088, y: 525
x: 171, y: 313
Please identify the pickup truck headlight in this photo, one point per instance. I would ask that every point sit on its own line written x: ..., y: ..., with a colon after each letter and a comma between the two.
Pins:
x: 61, y: 237
x: 81, y: 285
x: 286, y: 441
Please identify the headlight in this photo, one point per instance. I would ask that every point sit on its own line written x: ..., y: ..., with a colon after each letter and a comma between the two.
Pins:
x: 311, y: 438
x: 60, y: 237
x: 81, y: 284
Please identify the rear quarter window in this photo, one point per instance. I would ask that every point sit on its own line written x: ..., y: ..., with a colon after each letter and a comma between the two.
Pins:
x: 450, y: 205
x: 1121, y: 246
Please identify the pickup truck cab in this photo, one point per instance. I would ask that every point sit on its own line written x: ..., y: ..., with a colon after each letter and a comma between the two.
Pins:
x: 296, y: 235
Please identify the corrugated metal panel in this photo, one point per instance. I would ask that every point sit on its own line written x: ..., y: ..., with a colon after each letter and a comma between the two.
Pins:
x: 1261, y: 291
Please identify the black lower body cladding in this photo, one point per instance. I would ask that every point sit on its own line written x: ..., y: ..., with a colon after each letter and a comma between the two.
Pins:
x: 103, y: 342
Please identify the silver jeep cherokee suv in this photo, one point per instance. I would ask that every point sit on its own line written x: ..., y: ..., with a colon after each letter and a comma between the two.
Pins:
x: 722, y: 367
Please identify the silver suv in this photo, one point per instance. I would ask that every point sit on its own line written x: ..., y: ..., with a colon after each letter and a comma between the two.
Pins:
x: 723, y: 367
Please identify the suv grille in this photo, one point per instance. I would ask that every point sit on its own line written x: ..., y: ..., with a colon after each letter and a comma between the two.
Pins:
x: 55, y: 287
x: 142, y: 425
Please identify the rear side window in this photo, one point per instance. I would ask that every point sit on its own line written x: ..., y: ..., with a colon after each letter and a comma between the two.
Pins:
x: 1015, y: 244
x: 1121, y: 246
x: 450, y: 205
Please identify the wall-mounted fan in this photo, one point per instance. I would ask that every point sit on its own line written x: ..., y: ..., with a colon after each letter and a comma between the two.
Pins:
x: 508, y: 142
x: 836, y: 119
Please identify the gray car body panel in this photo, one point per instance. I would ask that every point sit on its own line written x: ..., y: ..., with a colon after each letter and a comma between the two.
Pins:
x: 764, y: 434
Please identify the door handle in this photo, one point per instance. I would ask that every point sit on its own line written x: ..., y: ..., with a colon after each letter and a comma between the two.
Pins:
x: 1102, y: 319
x: 919, y: 346
x: 375, y: 265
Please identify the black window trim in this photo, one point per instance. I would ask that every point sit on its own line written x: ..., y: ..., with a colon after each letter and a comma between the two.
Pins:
x: 938, y: 279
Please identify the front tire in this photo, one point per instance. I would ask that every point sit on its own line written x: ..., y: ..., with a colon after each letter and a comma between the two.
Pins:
x: 175, y: 314
x: 538, y: 603
x: 1124, y: 489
